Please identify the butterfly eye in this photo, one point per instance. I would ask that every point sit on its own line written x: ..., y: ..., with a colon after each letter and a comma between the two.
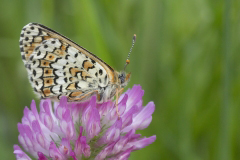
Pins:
x: 122, y: 77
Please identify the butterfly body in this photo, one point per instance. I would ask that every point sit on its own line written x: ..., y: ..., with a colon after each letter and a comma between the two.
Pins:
x: 59, y: 67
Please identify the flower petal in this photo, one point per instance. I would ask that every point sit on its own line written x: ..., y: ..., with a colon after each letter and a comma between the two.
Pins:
x: 54, y: 152
x: 20, y: 155
x: 123, y: 156
x: 142, y: 119
x: 112, y: 133
x: 103, y: 154
x: 65, y: 147
x: 41, y: 156
x: 122, y: 142
x: 143, y: 142
x: 67, y: 125
x: 91, y: 119
x: 135, y: 95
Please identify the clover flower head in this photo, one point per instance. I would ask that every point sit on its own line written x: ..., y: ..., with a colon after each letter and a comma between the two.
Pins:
x: 85, y: 130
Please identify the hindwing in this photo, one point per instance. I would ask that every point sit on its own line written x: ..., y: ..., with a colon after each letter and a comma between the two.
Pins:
x: 59, y: 67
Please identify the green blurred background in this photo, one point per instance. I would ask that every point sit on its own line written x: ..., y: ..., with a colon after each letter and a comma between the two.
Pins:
x: 186, y: 58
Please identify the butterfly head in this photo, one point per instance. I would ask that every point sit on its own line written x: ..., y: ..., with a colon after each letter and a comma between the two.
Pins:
x: 123, y: 78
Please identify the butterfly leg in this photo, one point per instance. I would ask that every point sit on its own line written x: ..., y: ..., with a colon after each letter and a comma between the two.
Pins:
x: 81, y: 97
x: 119, y: 91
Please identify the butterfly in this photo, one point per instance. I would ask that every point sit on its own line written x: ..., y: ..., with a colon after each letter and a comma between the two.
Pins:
x: 59, y: 67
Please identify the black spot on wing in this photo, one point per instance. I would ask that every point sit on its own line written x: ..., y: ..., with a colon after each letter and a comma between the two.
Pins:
x: 28, y: 66
x: 90, y: 85
x: 66, y: 50
x: 87, y: 77
x: 55, y: 79
x: 21, y: 49
x: 76, y: 55
x: 60, y: 90
x: 84, y: 63
x: 40, y: 33
x: 93, y: 62
x: 23, y: 57
x: 100, y: 72
x: 65, y: 79
x: 34, y: 72
x: 78, y: 85
x: 105, y: 79
x: 31, y: 58
x: 51, y: 90
x: 66, y: 57
x: 39, y: 52
x: 37, y: 48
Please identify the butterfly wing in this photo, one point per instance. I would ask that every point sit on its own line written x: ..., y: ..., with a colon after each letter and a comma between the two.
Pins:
x: 59, y: 67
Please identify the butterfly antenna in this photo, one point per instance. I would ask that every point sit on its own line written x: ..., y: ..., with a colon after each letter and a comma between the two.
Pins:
x: 133, y: 42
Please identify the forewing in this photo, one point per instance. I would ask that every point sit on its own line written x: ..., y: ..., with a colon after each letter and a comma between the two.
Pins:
x: 57, y: 66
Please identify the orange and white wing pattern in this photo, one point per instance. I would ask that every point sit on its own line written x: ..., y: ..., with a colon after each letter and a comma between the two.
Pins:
x: 59, y: 67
